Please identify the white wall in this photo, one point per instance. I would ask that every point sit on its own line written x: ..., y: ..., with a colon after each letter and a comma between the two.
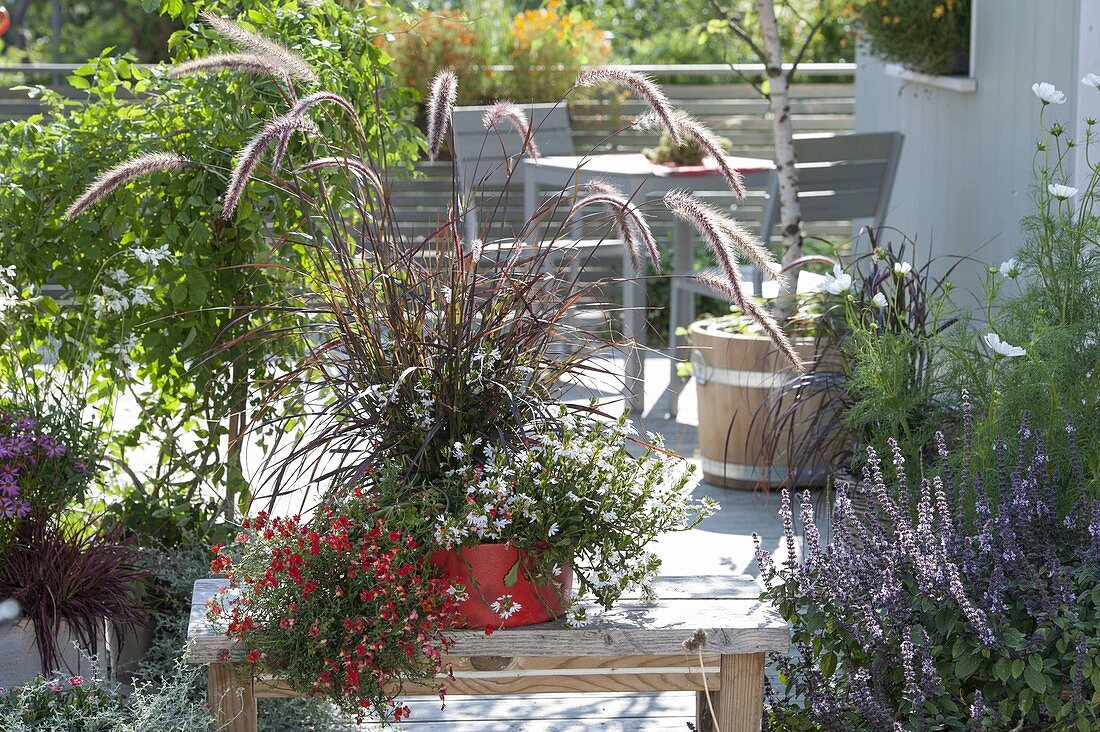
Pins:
x: 964, y: 179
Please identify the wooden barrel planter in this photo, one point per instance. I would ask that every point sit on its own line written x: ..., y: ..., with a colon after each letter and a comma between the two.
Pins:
x: 735, y: 375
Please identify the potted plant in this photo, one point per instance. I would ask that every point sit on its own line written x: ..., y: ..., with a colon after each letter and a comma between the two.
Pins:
x: 433, y: 398
x: 926, y: 37
x: 68, y: 579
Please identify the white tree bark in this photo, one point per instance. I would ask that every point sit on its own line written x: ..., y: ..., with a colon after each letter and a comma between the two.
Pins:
x: 790, y: 210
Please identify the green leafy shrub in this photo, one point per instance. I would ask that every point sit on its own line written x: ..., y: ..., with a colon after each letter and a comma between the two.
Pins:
x: 155, y: 279
x: 932, y: 37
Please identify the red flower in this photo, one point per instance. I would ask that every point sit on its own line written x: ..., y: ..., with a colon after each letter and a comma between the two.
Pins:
x: 489, y: 630
x: 254, y: 656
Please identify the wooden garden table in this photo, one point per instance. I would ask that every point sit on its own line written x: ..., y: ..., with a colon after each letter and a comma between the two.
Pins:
x: 635, y: 647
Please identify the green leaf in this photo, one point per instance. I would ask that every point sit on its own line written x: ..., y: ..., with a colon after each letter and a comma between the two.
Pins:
x: 1036, y: 680
x: 967, y: 666
x: 78, y: 82
x: 512, y: 577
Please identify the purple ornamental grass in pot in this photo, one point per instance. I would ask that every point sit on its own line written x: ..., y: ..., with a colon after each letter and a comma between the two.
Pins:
x: 62, y: 575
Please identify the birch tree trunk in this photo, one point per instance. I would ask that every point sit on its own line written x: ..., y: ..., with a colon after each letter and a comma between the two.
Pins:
x: 790, y: 216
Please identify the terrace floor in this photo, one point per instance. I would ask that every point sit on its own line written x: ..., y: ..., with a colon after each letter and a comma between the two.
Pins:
x: 720, y: 545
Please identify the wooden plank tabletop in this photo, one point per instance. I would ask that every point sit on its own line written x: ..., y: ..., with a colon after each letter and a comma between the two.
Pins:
x: 727, y: 608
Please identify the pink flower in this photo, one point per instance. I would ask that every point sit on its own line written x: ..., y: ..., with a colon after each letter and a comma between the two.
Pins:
x: 77, y: 681
x: 54, y: 686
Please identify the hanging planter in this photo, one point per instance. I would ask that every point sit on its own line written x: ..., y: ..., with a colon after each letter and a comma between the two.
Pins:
x: 501, y: 592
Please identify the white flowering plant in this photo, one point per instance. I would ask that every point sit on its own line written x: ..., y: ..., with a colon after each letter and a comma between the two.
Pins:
x: 1036, y: 349
x: 576, y: 495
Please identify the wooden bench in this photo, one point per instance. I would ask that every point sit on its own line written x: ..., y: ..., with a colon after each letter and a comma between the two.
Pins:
x: 633, y: 648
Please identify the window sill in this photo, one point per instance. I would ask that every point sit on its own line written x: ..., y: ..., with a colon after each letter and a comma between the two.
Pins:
x: 962, y: 84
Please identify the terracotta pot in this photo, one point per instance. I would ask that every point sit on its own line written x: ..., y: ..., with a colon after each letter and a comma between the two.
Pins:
x: 735, y: 374
x: 490, y: 571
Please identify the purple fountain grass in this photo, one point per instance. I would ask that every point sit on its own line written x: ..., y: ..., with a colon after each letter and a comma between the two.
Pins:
x: 716, y: 232
x: 252, y: 63
x: 293, y: 64
x: 118, y: 176
x: 250, y: 155
x: 354, y: 165
x: 628, y: 221
x: 641, y: 85
x: 441, y: 100
x: 505, y: 111
x: 702, y: 136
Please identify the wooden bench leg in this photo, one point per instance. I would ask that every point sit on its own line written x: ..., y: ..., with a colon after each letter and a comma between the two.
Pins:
x: 740, y: 704
x: 229, y: 693
x: 704, y: 722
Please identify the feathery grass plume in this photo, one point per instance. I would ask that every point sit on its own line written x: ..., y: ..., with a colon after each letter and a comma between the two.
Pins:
x: 353, y: 164
x: 629, y: 222
x: 734, y: 292
x: 440, y: 102
x: 250, y: 155
x: 120, y: 175
x: 753, y: 249
x: 713, y: 227
x: 293, y: 64
x: 702, y: 136
x: 511, y: 112
x: 250, y: 63
x: 299, y: 110
x: 641, y: 85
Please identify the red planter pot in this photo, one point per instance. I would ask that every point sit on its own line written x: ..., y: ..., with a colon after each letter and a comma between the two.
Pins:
x: 484, y: 571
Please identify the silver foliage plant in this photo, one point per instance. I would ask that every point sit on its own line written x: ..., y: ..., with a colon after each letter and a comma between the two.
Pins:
x: 397, y: 307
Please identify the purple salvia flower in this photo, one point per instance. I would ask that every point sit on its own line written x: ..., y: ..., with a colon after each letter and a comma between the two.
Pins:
x: 788, y: 530
x: 441, y: 100
x: 907, y: 667
x: 641, y: 85
x: 977, y: 712
x: 811, y: 540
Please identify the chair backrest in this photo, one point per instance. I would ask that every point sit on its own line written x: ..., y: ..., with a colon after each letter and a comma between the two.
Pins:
x: 483, y: 159
x: 840, y: 177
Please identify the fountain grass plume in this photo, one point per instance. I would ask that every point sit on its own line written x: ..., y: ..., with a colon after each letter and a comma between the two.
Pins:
x: 734, y: 292
x: 641, y: 85
x: 505, y: 111
x: 293, y: 64
x: 698, y: 133
x: 250, y: 155
x: 716, y: 232
x: 441, y: 100
x: 250, y: 63
x: 631, y: 225
x: 353, y: 165
x: 120, y: 175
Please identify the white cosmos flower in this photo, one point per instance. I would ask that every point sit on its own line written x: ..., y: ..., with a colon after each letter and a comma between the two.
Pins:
x: 902, y: 268
x: 1061, y: 192
x: 838, y: 282
x: 1048, y: 93
x: 1001, y: 348
x: 879, y: 300
x: 1009, y: 268
x: 1092, y: 80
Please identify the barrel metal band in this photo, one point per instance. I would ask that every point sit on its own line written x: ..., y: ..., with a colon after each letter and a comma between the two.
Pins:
x: 706, y: 374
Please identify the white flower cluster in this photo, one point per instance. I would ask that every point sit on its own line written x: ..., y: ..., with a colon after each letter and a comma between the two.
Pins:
x: 9, y: 293
x: 579, y: 493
